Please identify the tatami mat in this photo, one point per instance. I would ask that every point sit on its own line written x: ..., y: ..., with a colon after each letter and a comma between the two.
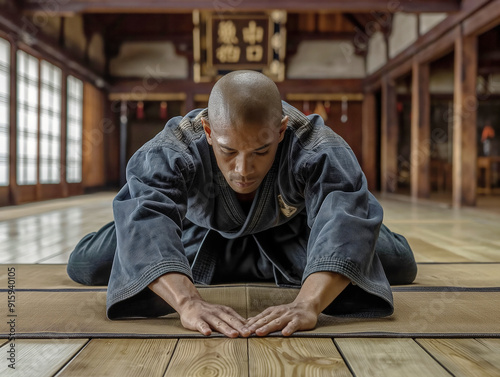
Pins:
x: 423, y: 314
x: 448, y: 300
x: 469, y: 275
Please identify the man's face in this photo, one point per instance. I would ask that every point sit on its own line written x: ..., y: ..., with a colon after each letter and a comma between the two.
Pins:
x: 245, y: 153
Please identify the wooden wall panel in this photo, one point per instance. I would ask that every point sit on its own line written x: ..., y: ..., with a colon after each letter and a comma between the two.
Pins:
x: 350, y: 130
x: 93, y: 160
x: 111, y: 128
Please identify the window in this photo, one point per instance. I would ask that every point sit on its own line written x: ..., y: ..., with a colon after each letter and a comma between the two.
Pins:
x: 4, y: 111
x: 50, y: 123
x: 74, y: 131
x: 27, y: 118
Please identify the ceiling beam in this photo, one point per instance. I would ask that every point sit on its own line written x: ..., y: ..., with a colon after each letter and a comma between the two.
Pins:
x: 153, y: 6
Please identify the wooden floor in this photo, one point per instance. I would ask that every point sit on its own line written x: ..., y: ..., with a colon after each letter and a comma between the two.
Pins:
x: 47, y: 232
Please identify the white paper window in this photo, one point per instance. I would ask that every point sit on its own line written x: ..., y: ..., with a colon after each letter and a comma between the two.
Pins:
x: 27, y: 118
x: 74, y: 131
x: 50, y: 123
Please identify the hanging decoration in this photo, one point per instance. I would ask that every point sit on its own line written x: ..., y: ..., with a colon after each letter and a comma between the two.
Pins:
x: 227, y: 41
x: 343, y: 117
x: 305, y: 108
x: 163, y: 110
x: 327, y: 107
x: 139, y: 112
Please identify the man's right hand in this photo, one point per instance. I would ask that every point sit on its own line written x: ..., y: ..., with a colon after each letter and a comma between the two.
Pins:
x: 204, y: 317
x: 195, y: 313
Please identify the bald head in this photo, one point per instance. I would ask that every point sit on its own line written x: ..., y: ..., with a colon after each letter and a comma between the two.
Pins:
x: 244, y: 98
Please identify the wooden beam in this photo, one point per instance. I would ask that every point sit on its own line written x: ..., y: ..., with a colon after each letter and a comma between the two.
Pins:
x: 140, y: 88
x: 389, y: 137
x: 155, y: 6
x: 420, y: 132
x: 468, y: 8
x: 369, y: 141
x: 444, y: 45
x: 483, y: 20
x: 464, y: 122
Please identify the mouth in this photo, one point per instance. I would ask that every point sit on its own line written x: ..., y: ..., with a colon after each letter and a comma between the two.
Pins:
x: 244, y: 184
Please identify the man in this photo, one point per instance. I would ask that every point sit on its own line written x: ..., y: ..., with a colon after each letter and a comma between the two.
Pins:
x: 249, y: 189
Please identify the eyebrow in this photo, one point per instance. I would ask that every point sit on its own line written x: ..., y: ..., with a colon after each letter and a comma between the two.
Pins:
x: 232, y: 149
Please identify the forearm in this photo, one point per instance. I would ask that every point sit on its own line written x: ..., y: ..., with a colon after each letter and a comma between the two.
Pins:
x: 320, y: 289
x: 176, y: 289
x: 195, y: 313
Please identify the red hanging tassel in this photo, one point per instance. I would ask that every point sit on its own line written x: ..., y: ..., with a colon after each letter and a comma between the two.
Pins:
x: 139, y: 113
x: 163, y: 110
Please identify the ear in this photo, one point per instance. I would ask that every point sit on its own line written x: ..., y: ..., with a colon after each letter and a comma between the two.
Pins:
x: 284, y: 124
x: 207, y: 129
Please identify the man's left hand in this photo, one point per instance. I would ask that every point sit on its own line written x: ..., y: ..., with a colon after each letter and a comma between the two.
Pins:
x: 288, y: 318
x: 317, y: 292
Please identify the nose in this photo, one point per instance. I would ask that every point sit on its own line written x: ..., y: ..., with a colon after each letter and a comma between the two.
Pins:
x: 244, y: 165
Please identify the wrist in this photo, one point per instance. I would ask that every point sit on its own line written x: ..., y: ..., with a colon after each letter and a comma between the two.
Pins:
x: 310, y: 304
x: 320, y: 289
x: 176, y: 289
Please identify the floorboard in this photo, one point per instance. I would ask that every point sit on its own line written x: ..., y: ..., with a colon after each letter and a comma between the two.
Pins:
x: 285, y: 357
x: 122, y: 357
x: 375, y: 357
x: 209, y: 357
x: 466, y: 357
x: 40, y: 357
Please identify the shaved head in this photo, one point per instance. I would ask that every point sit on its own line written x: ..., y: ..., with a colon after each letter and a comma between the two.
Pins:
x: 244, y: 98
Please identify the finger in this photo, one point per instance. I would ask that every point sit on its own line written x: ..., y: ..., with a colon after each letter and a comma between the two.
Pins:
x: 234, y: 313
x: 235, y: 321
x: 257, y: 324
x: 267, y: 316
x: 221, y: 326
x: 291, y: 327
x: 203, y: 328
x: 274, y: 325
x: 252, y: 320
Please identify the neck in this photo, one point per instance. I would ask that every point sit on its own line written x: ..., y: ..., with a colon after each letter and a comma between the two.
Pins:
x: 245, y: 197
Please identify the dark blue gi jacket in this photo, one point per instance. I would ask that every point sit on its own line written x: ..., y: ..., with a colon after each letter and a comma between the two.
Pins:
x: 313, y: 212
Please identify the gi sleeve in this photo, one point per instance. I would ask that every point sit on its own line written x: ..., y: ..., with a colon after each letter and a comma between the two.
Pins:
x: 345, y: 219
x: 148, y: 214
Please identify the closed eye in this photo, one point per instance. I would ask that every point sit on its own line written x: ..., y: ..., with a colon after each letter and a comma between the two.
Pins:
x: 262, y: 153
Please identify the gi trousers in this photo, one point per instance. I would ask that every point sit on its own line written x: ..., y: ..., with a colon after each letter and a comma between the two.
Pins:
x: 91, y: 260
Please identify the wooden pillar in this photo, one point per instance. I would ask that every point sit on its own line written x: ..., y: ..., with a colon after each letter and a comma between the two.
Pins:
x: 389, y: 137
x: 420, y: 131
x: 464, y: 122
x: 368, y: 140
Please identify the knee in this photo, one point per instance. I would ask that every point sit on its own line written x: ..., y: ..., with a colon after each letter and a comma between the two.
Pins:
x: 402, y: 268
x: 401, y: 273
x: 397, y: 259
x: 84, y: 265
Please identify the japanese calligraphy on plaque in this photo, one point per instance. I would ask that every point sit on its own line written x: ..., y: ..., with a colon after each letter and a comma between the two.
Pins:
x: 226, y: 42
